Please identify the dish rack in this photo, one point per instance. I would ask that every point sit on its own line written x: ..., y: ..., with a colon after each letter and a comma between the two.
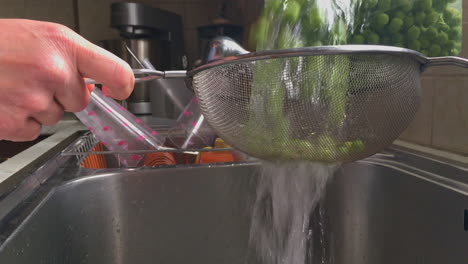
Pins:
x: 91, y: 154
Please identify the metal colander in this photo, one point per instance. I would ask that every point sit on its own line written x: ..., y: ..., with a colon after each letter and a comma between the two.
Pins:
x: 327, y: 104
x: 304, y: 108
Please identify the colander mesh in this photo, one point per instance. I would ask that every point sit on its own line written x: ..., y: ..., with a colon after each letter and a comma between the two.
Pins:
x: 329, y: 108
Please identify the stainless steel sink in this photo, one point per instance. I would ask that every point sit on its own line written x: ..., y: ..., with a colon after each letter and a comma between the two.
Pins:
x: 392, y: 208
x: 189, y: 215
x: 384, y: 213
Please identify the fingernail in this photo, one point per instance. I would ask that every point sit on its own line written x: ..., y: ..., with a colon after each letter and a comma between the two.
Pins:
x: 90, y: 87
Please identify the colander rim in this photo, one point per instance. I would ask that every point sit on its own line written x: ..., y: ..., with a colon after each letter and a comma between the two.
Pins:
x: 313, y: 51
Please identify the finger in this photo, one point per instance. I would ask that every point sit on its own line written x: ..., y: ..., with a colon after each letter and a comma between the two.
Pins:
x: 106, y: 68
x: 75, y: 97
x: 106, y: 91
x: 51, y: 116
x: 28, y: 131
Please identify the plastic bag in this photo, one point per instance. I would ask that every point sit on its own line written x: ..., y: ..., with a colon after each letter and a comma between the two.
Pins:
x: 191, y: 130
x: 119, y: 130
x: 432, y: 27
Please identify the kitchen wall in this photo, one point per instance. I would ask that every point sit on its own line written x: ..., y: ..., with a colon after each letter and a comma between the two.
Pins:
x: 60, y: 11
x: 442, y: 121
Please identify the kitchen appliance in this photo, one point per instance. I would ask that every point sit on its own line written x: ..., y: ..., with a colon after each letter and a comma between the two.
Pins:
x: 154, y: 35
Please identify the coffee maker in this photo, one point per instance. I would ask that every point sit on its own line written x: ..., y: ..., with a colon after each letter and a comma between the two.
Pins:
x: 155, y: 35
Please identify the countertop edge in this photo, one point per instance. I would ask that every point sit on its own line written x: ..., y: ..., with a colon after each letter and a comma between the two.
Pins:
x: 441, y: 154
x: 59, y: 133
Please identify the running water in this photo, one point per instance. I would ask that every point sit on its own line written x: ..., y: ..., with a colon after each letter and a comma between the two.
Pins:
x: 287, y: 194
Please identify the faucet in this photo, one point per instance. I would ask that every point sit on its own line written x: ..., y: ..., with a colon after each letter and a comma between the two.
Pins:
x: 221, y: 47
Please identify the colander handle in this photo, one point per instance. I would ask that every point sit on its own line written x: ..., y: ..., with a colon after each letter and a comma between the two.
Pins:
x: 175, y: 74
x: 446, y: 61
x: 149, y: 75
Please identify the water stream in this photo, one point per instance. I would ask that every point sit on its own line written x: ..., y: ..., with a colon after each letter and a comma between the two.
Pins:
x: 287, y: 195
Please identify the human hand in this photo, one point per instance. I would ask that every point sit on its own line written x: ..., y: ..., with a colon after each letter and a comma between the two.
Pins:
x: 42, y: 70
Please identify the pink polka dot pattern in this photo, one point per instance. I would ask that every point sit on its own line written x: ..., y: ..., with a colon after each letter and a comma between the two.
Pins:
x: 122, y: 143
x: 187, y: 113
x: 119, y: 130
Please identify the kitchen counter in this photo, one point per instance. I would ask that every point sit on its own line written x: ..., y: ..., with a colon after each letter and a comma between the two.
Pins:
x: 442, y: 155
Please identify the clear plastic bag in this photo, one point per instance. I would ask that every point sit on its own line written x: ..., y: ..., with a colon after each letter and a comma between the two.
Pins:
x: 119, y: 130
x: 191, y: 130
x: 432, y: 27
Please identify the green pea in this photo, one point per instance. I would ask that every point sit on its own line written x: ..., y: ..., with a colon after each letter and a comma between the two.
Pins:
x: 316, y: 17
x: 442, y: 38
x: 373, y: 39
x: 292, y: 12
x: 273, y: 6
x: 358, y: 39
x: 431, y: 18
x: 423, y: 5
x: 409, y: 21
x: 380, y: 20
x: 395, y: 25
x: 413, y: 33
x: 419, y: 18
x: 414, y: 45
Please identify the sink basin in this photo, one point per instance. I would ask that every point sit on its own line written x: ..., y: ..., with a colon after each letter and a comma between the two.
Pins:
x: 377, y: 211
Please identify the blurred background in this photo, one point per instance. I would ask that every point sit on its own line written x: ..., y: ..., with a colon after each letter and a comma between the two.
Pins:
x: 92, y: 18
